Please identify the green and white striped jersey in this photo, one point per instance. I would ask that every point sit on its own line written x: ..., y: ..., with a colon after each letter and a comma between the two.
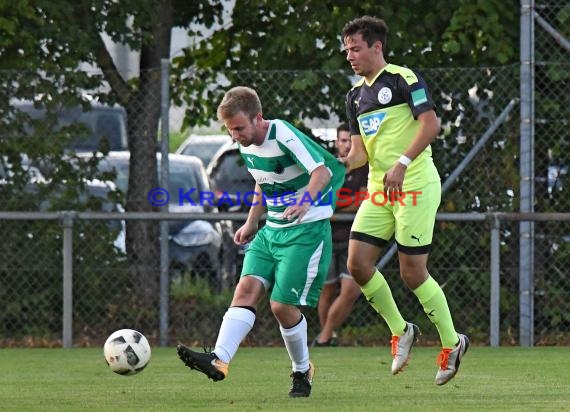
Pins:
x: 282, y: 167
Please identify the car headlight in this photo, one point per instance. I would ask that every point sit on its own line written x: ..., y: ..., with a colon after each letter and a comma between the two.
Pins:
x: 197, y: 233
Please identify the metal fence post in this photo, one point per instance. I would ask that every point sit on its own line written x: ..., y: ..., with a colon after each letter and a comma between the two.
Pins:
x: 67, y: 253
x: 556, y: 35
x: 495, y: 269
x: 164, y: 172
x: 526, y: 235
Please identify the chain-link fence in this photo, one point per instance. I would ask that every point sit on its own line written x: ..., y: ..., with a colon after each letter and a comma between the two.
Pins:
x: 551, y: 143
x: 552, y: 76
x: 74, y: 275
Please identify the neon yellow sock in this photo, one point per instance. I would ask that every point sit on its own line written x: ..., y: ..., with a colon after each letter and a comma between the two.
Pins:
x: 435, y: 306
x: 379, y: 295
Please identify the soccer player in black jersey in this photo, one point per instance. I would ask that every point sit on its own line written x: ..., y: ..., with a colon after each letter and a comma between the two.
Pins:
x: 392, y: 122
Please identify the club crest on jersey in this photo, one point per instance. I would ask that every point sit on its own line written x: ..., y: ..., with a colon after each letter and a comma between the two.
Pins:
x: 384, y: 95
x: 370, y: 123
x: 279, y: 168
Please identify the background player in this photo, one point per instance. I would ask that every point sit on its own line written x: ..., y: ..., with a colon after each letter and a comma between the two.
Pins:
x: 340, y: 291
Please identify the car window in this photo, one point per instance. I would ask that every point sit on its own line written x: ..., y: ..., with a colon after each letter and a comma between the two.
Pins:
x: 184, y: 177
x: 105, y: 127
x: 231, y: 174
x: 204, y: 151
x: 106, y: 130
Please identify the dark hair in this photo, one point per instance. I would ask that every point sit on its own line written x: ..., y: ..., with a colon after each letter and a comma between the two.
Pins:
x: 343, y: 127
x: 371, y: 29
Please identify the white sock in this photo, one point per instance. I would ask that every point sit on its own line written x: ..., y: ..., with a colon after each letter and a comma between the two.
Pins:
x: 235, y: 326
x: 295, y: 340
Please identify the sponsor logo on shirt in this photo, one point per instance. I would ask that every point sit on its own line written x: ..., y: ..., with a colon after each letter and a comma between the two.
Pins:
x: 419, y: 96
x: 370, y: 123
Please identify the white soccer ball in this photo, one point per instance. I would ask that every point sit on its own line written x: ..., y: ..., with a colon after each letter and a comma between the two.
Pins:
x: 127, y: 352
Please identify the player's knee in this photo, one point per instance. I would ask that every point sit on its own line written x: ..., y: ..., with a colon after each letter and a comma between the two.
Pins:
x: 287, y: 315
x: 413, y: 277
x: 357, y: 268
x: 248, y: 293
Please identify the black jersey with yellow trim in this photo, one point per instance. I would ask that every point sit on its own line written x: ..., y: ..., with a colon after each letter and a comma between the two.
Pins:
x: 384, y: 112
x: 392, y: 86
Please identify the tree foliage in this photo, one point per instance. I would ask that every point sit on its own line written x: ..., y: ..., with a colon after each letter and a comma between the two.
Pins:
x: 305, y: 35
x: 44, y: 43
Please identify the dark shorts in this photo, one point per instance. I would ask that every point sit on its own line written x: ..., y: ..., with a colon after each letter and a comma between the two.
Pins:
x: 338, y: 269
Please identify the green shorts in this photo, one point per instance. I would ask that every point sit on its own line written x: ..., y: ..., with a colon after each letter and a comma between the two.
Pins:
x: 293, y: 261
x: 411, y: 218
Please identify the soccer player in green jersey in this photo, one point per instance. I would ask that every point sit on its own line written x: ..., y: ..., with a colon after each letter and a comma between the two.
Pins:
x: 297, y: 183
x: 392, y: 123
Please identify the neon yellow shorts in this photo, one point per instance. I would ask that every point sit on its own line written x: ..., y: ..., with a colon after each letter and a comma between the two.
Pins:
x: 411, y: 217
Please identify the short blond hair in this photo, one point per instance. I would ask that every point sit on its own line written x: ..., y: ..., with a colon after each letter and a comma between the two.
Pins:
x: 237, y: 100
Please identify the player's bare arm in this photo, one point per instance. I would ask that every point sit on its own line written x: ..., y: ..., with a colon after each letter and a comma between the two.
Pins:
x: 427, y: 132
x: 246, y: 232
x: 357, y: 156
x: 320, y: 177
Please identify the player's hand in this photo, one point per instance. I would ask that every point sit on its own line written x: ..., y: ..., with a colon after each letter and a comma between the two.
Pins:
x: 296, y: 211
x: 394, y: 180
x: 245, y: 233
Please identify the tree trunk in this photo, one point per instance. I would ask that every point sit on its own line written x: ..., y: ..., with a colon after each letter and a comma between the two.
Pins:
x: 143, y: 111
x: 142, y: 236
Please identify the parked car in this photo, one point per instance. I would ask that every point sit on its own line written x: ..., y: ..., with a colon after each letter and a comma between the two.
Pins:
x: 197, y: 247
x: 105, y: 126
x: 230, y: 179
x: 102, y: 199
x: 90, y: 195
x: 203, y: 146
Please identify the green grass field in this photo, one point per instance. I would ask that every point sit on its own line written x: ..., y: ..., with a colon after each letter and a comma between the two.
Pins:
x: 346, y: 379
